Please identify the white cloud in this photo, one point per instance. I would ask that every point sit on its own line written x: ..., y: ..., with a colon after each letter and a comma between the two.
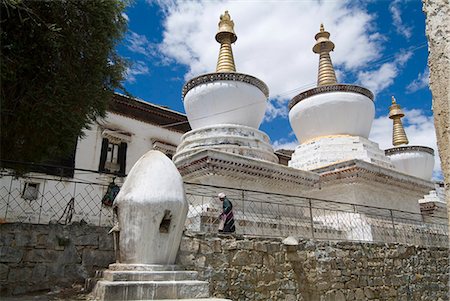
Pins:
x: 398, y: 23
x: 285, y: 144
x: 422, y: 81
x: 381, y: 78
x: 275, y: 109
x: 418, y: 127
x: 275, y: 38
x: 137, y: 68
x: 139, y: 44
x: 125, y: 16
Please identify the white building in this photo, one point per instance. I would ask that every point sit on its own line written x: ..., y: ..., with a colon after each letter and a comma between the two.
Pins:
x: 75, y: 185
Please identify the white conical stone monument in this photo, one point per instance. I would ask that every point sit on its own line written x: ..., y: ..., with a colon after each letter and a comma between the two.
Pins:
x: 152, y: 209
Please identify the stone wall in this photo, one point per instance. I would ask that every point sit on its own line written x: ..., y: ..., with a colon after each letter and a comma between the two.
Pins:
x: 438, y: 34
x: 265, y: 269
x: 40, y: 257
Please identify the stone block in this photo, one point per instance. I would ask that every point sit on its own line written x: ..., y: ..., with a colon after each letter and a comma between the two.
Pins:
x: 90, y: 239
x: 206, y: 248
x: 75, y: 272
x: 24, y: 239
x: 10, y: 254
x: 39, y: 271
x: 41, y: 255
x: 191, y: 245
x: 19, y: 274
x: 4, y: 270
x: 97, y: 258
x: 242, y: 258
x: 6, y: 238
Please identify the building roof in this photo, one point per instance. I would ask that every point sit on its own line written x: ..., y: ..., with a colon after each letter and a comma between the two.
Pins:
x: 149, y: 113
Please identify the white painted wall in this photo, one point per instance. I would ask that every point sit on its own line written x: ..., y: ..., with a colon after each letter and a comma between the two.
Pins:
x: 55, y: 193
x: 89, y: 147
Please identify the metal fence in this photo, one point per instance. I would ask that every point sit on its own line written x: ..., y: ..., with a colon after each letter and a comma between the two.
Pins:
x: 43, y: 199
x: 263, y: 214
x: 63, y: 200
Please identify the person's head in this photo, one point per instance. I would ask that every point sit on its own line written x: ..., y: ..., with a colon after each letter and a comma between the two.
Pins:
x: 221, y: 196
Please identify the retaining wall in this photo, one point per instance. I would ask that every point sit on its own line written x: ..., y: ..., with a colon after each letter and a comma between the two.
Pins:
x: 40, y: 257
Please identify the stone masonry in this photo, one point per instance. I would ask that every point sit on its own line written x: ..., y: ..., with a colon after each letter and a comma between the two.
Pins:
x: 438, y: 34
x: 40, y: 257
x: 243, y: 268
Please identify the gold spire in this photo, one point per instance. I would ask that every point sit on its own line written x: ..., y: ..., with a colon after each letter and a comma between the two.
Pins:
x: 323, y: 46
x: 396, y: 114
x: 225, y: 36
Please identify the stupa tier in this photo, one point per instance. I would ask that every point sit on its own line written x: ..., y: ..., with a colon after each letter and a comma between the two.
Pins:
x: 417, y: 161
x: 332, y: 122
x: 226, y: 108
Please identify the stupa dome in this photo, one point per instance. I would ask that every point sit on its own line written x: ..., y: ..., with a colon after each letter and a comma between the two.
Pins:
x: 417, y: 161
x: 330, y: 109
x: 225, y: 97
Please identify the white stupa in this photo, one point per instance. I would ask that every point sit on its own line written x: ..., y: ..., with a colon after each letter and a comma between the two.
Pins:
x: 226, y: 108
x: 417, y: 161
x: 332, y: 122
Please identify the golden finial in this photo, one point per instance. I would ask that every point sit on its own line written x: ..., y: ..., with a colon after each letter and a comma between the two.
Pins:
x: 396, y: 114
x: 225, y: 36
x: 323, y: 46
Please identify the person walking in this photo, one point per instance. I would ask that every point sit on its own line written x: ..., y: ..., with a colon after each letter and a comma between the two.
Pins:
x: 226, y: 217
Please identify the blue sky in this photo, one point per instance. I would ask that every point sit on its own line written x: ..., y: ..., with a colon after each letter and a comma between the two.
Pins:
x: 380, y: 45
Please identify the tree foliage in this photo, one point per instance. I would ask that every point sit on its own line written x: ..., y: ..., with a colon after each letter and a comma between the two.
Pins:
x: 59, y: 68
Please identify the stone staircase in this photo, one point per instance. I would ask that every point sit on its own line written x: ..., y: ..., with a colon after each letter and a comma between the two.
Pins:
x: 150, y: 282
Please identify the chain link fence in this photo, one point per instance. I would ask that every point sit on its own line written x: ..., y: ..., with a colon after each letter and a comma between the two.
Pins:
x: 44, y: 199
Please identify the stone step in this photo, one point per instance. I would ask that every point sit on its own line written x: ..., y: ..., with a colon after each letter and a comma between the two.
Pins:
x: 149, y: 275
x: 143, y: 267
x: 153, y: 290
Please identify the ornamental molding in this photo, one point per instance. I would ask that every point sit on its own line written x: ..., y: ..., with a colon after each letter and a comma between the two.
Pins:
x: 116, y: 136
x: 209, y: 163
x: 329, y: 89
x: 405, y: 149
x: 356, y: 171
x: 231, y: 76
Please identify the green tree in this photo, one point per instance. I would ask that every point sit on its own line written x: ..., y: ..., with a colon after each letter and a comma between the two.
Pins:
x: 59, y: 68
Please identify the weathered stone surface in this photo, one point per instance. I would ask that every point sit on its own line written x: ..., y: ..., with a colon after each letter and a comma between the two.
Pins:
x: 37, y: 257
x: 267, y: 269
x: 4, y: 269
x: 13, y: 255
x: 438, y: 34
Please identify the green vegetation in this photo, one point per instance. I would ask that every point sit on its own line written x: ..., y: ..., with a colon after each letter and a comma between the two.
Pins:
x: 59, y: 68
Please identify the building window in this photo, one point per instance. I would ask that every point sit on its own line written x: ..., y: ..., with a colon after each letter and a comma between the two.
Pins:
x: 113, y: 157
x: 30, y: 191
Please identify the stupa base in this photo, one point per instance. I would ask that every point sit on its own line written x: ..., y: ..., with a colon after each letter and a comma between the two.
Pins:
x: 325, y: 151
x: 229, y: 138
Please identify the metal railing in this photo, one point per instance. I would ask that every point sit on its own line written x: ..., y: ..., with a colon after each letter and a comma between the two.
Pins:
x: 262, y: 214
x: 65, y: 200
x: 42, y: 199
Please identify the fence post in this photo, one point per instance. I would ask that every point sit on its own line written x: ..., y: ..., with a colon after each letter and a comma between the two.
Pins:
x: 9, y: 195
x: 311, y: 220
x: 243, y: 198
x: 42, y: 201
x: 393, y: 225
